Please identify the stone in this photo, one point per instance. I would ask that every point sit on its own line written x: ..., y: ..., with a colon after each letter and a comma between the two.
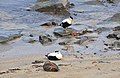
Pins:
x: 117, y: 44
x: 50, y: 24
x: 116, y: 28
x: 7, y: 35
x: 115, y: 35
x: 46, y: 39
x: 38, y: 61
x: 84, y: 40
x: 61, y: 32
x: 94, y: 2
x: 30, y: 39
x: 101, y: 29
x: 50, y: 67
x: 115, y: 18
x: 52, y: 7
x: 64, y: 2
x: 112, y: 36
x: 109, y: 1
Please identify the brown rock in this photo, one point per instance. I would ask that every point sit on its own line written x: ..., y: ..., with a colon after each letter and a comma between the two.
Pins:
x: 50, y: 67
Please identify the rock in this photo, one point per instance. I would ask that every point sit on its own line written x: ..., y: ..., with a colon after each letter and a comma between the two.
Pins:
x: 37, y: 61
x: 94, y: 2
x: 112, y: 36
x: 50, y: 24
x: 52, y: 7
x: 115, y: 18
x: 50, y: 67
x: 114, y: 45
x: 37, y: 66
x: 110, y: 1
x: 116, y: 28
x: 46, y: 39
x: 113, y: 1
x: 13, y: 70
x: 6, y: 35
x: 115, y: 35
x: 42, y: 0
x: 117, y: 44
x: 102, y: 29
x: 64, y: 64
x: 61, y: 32
x: 71, y: 5
x: 84, y: 40
x: 82, y: 32
x: 30, y: 39
x: 64, y: 2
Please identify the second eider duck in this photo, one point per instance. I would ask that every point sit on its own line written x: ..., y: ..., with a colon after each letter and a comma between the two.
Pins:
x: 54, y: 55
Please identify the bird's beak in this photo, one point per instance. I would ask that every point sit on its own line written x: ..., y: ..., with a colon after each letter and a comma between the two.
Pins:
x: 46, y: 55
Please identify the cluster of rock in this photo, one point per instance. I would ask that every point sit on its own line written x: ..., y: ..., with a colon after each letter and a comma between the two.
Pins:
x: 110, y: 1
x: 115, y: 39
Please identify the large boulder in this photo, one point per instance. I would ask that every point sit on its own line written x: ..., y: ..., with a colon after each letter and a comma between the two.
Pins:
x: 52, y: 6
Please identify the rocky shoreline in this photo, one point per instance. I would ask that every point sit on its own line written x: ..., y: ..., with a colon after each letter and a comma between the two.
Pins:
x: 29, y: 30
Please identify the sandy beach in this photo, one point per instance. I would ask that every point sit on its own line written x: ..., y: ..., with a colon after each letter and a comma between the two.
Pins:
x: 70, y: 67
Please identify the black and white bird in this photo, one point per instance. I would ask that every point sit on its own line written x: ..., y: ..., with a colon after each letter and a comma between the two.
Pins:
x: 54, y: 55
x: 67, y: 22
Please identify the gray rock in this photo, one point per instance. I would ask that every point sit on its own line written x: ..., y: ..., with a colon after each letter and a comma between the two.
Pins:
x: 46, y: 39
x: 116, y: 28
x: 115, y: 34
x: 49, y: 24
x: 9, y: 35
x: 61, y: 32
x: 64, y: 2
x: 94, y: 2
x: 84, y: 40
x: 115, y: 18
x: 52, y: 7
x: 101, y: 29
x: 117, y: 44
x: 109, y: 1
x: 30, y: 39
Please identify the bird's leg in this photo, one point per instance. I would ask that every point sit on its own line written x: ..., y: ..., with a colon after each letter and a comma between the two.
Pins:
x: 67, y: 30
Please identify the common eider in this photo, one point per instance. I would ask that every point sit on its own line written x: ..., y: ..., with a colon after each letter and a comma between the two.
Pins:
x: 54, y: 55
x: 67, y: 22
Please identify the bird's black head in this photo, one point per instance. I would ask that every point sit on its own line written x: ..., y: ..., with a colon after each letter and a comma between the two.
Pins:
x: 56, y: 51
x: 71, y: 17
